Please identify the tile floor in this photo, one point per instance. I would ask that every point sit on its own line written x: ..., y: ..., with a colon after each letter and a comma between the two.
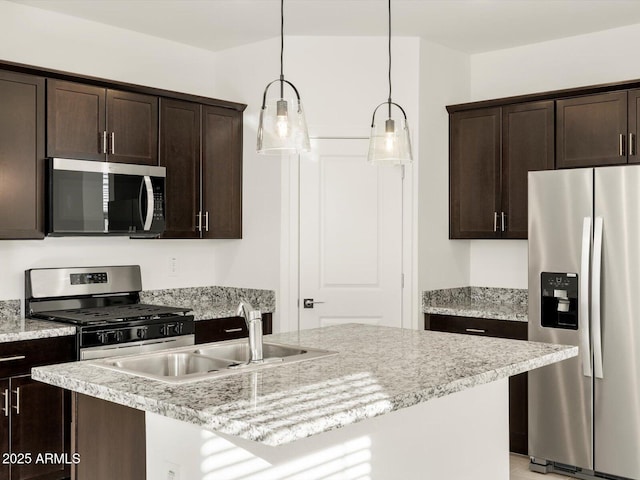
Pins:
x: 520, y: 470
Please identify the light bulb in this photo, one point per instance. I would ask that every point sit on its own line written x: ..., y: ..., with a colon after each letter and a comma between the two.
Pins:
x: 282, y: 118
x: 282, y: 126
x: 390, y: 134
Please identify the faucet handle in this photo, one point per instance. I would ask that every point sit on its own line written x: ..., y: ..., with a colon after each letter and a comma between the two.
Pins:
x: 255, y: 315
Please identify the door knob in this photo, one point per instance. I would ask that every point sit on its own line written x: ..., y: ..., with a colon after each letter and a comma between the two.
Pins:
x: 309, y: 302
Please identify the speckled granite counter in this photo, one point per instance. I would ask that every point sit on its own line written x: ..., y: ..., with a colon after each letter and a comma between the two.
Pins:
x: 14, y: 328
x: 211, y: 302
x: 480, y: 302
x: 378, y: 370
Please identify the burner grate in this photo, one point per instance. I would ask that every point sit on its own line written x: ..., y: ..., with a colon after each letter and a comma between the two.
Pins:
x: 113, y: 313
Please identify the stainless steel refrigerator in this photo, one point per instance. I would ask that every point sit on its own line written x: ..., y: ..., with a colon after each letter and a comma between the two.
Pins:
x: 584, y: 289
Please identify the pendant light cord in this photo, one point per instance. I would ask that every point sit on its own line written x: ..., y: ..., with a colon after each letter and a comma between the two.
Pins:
x: 282, y: 48
x: 389, y: 59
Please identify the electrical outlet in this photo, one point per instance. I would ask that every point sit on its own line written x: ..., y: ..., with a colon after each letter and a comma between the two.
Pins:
x: 172, y: 471
x: 173, y: 267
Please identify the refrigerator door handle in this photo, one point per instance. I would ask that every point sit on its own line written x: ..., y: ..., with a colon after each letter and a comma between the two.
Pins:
x: 585, y: 347
x: 595, y: 302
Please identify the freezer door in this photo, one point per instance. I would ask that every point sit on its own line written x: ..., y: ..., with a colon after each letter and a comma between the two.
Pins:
x: 617, y: 393
x: 560, y: 395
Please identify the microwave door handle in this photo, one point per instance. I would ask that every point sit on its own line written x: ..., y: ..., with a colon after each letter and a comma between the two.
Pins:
x: 150, y: 203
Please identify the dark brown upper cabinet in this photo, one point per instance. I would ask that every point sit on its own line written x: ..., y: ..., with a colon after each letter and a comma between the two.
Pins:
x: 491, y: 152
x: 474, y: 176
x: 180, y: 154
x: 527, y: 145
x: 22, y: 137
x: 592, y: 130
x: 201, y: 147
x: 221, y: 172
x: 94, y: 123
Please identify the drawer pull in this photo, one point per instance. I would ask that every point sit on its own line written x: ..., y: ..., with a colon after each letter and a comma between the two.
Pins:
x: 6, y: 402
x: 15, y: 357
x: 232, y: 330
x: 475, y: 330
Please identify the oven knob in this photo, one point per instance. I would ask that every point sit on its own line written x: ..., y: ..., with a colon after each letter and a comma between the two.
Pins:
x: 119, y: 335
x: 103, y: 337
x: 142, y: 332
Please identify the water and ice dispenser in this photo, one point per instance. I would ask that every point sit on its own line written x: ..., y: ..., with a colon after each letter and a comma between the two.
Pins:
x: 559, y: 300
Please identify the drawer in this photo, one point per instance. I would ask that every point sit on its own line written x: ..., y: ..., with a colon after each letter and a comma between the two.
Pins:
x: 17, y: 358
x: 219, y: 329
x: 477, y: 326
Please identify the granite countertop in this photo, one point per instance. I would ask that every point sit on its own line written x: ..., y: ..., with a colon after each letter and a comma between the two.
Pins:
x: 480, y: 302
x: 13, y: 330
x: 211, y: 302
x: 377, y: 370
x: 13, y: 327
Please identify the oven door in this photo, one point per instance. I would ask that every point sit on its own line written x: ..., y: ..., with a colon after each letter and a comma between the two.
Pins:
x: 131, y: 348
x: 98, y: 198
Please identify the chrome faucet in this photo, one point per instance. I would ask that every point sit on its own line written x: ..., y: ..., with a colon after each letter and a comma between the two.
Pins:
x: 254, y: 325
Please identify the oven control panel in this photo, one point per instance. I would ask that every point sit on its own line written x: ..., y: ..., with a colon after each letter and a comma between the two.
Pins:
x: 88, y: 278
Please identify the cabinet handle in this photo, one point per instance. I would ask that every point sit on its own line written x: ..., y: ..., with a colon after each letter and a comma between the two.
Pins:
x: 621, y: 145
x: 495, y: 221
x: 17, y: 405
x: 632, y: 144
x: 475, y: 330
x: 113, y: 143
x: 206, y: 221
x: 503, y: 221
x: 199, y: 217
x: 6, y: 402
x: 104, y: 142
x: 9, y: 359
x: 232, y: 330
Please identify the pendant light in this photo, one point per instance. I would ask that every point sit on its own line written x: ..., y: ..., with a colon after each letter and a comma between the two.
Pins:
x: 390, y: 142
x: 282, y: 128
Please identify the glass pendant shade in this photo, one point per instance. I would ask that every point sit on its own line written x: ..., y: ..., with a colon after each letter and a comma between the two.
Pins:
x: 283, y: 127
x: 390, y: 142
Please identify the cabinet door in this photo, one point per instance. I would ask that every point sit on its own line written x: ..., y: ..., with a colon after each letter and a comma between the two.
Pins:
x: 527, y: 145
x: 591, y: 130
x: 222, y: 172
x: 39, y: 425
x: 75, y: 120
x: 132, y: 125
x: 21, y: 155
x: 5, y: 408
x: 180, y: 154
x: 633, y: 111
x: 474, y: 175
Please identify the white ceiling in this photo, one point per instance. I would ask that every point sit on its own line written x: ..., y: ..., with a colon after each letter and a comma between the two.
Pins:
x: 471, y: 26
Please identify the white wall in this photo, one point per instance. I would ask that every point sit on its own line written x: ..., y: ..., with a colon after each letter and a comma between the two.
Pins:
x: 444, y: 79
x: 601, y: 57
x: 37, y: 37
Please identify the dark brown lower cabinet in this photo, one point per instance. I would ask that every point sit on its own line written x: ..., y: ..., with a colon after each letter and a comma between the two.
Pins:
x: 110, y: 440
x: 35, y: 418
x: 518, y: 390
x: 219, y: 329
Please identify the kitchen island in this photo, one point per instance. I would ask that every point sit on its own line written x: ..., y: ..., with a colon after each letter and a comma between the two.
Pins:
x: 392, y: 403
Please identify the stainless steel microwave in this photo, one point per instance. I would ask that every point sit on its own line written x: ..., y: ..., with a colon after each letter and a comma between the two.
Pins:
x: 101, y: 198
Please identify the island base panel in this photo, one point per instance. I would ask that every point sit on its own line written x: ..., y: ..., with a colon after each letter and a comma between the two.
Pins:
x: 460, y: 436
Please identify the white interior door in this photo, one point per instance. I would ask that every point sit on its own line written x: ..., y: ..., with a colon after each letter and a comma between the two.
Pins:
x: 350, y: 237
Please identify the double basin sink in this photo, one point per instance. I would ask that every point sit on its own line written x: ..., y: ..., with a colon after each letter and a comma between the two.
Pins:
x: 194, y: 363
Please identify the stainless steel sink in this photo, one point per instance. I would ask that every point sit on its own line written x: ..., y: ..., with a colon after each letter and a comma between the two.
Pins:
x: 169, y: 365
x: 239, y: 352
x: 209, y: 361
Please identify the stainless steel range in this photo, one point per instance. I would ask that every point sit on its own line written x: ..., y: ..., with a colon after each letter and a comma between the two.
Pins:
x: 104, y: 303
